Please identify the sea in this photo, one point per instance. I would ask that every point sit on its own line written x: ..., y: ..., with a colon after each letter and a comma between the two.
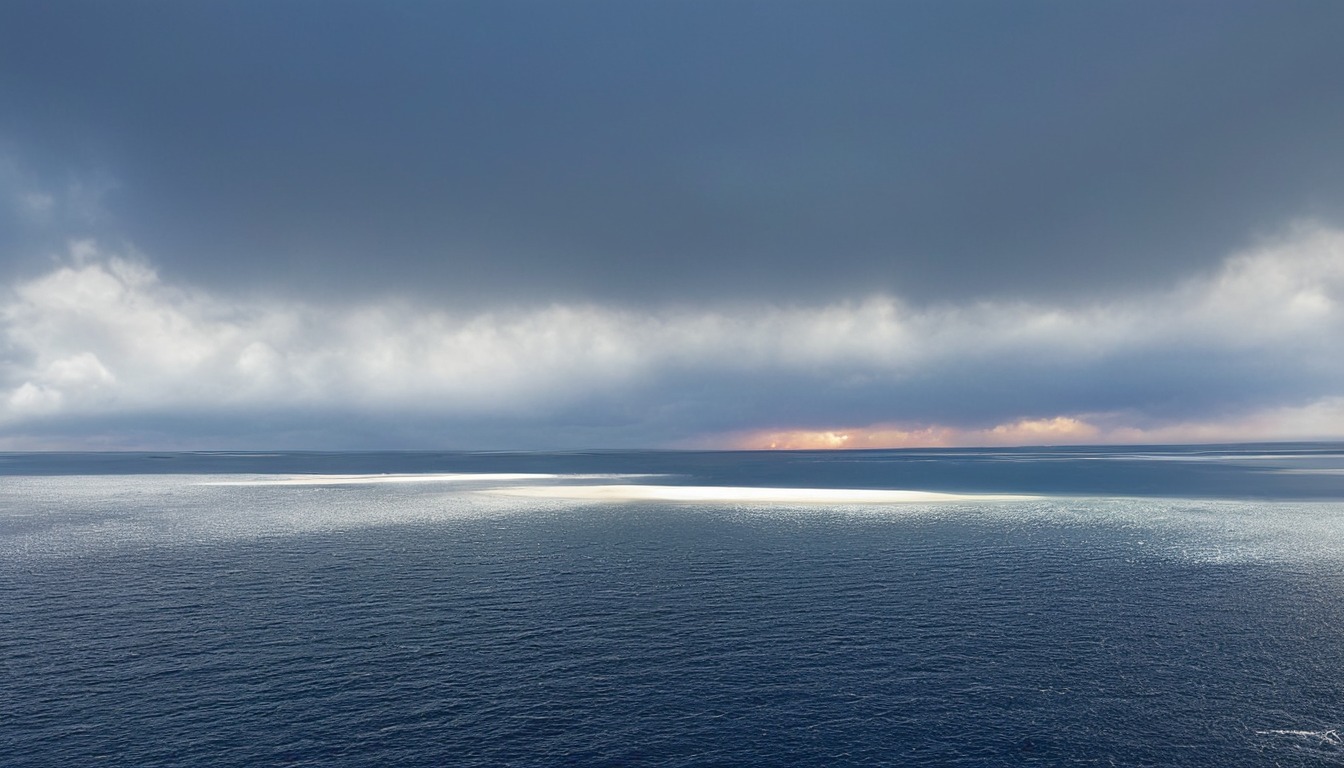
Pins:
x: 1062, y: 606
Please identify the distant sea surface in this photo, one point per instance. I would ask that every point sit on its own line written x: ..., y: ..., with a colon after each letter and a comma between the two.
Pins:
x: 1137, y: 606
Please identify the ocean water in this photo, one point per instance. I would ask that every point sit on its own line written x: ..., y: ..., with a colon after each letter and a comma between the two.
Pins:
x: 1156, y: 606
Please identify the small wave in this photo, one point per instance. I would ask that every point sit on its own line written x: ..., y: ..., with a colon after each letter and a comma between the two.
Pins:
x: 1330, y: 736
x: 745, y: 494
x: 1310, y: 471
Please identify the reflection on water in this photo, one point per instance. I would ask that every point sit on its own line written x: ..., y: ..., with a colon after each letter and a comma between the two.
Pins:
x: 723, y: 617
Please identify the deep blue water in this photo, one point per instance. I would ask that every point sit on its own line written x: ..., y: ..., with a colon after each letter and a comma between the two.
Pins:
x: 1151, y: 607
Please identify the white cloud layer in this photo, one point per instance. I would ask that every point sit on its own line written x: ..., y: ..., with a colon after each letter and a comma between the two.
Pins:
x: 103, y: 335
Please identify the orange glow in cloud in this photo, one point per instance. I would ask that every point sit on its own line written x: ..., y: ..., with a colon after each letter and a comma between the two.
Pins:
x: 1322, y: 420
x: 858, y: 437
x: 1059, y: 430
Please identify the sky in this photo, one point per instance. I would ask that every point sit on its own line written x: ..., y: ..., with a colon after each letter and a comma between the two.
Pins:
x: 531, y: 225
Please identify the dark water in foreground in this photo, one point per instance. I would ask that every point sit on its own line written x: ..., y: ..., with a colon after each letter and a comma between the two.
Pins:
x: 149, y: 616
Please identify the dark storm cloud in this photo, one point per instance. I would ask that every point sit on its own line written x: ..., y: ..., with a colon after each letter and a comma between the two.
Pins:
x: 681, y: 151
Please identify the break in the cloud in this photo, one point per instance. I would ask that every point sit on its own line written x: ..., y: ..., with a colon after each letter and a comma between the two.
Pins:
x: 1319, y: 420
x: 102, y: 345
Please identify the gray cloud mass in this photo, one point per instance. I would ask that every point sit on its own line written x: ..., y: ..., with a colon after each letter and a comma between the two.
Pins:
x: 104, y: 340
x: 536, y: 224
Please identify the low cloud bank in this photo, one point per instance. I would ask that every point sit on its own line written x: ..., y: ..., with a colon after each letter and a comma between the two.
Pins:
x: 1254, y: 350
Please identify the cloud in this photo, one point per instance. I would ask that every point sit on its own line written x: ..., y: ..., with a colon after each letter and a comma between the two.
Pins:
x: 663, y: 152
x: 104, y: 338
x: 1319, y: 420
x: 41, y: 211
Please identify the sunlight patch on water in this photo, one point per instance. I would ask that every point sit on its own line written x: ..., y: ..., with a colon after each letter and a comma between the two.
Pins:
x: 71, y: 515
x: 68, y: 515
x: 446, y: 477
x: 713, y: 494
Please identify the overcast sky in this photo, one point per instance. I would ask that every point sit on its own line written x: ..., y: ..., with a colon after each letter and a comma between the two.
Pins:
x: 659, y: 224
